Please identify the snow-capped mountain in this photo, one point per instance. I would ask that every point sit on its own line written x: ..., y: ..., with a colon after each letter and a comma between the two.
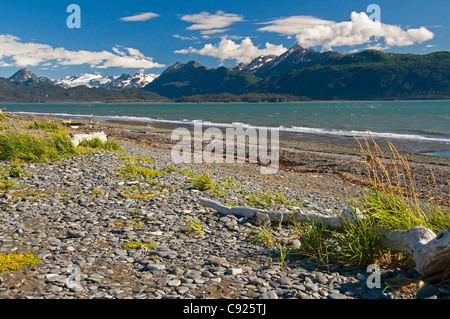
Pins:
x: 254, y: 65
x: 27, y: 78
x: 296, y: 57
x: 138, y: 80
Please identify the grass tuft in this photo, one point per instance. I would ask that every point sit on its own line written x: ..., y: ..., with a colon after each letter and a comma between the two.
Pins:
x: 35, y: 148
x: 134, y: 171
x: 194, y: 227
x: 392, y: 199
x: 203, y: 181
x: 96, y: 143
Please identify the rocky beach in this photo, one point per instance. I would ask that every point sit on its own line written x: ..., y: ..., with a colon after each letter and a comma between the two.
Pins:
x: 101, y: 235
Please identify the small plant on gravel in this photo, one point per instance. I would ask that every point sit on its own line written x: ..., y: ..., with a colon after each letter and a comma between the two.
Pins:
x: 97, y: 143
x: 203, y: 181
x: 6, y: 184
x: 194, y: 227
x: 138, y: 159
x: 284, y: 252
x: 15, y: 171
x: 139, y: 245
x: 262, y: 235
x: 96, y: 191
x: 358, y: 243
x: 316, y: 242
x: 266, y: 200
x: 134, y: 171
x: 14, y: 262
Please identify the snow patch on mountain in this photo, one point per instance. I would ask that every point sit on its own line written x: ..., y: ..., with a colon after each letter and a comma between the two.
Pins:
x: 138, y: 80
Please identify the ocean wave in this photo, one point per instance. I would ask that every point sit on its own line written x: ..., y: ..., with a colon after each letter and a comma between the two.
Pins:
x: 281, y: 128
x: 354, y: 133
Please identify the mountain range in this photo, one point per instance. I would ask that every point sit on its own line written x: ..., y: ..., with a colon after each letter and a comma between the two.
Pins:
x: 25, y: 86
x: 138, y: 80
x: 297, y: 74
x: 315, y: 75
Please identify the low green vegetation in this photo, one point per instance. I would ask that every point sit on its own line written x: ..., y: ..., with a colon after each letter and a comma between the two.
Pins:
x: 203, y: 181
x: 48, y: 126
x: 194, y: 227
x: 139, y: 245
x: 34, y: 147
x: 392, y: 198
x: 138, y: 159
x: 4, y: 118
x: 132, y: 171
x: 267, y: 199
x: 14, y: 261
x: 96, y: 144
x: 390, y: 201
x: 262, y: 236
x: 15, y: 170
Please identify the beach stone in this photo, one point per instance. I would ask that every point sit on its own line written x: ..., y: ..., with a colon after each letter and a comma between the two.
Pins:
x: 234, y: 271
x: 154, y: 266
x: 427, y: 291
x: 217, y: 260
x: 182, y: 290
x: 271, y: 294
x: 312, y: 287
x: 337, y: 295
x: 74, y: 233
x: 174, y: 283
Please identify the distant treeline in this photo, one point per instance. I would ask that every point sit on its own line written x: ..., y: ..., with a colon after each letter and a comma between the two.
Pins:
x: 16, y: 93
x: 243, y: 98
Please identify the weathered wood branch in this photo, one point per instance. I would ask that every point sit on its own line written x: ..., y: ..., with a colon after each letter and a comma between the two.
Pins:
x: 304, y: 216
x: 431, y: 253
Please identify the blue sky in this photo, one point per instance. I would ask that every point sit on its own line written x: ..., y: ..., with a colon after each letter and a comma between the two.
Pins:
x: 126, y: 36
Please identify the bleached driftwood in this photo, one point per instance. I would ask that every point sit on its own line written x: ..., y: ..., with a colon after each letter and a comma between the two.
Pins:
x: 334, y: 221
x: 77, y: 138
x: 431, y: 253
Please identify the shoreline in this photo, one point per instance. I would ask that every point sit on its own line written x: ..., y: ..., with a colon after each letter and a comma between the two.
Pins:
x: 80, y: 214
x: 320, y: 159
x: 421, y: 145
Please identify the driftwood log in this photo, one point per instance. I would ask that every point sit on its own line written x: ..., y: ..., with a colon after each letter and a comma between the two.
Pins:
x: 431, y: 252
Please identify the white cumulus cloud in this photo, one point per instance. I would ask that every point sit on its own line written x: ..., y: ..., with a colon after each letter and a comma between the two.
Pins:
x: 208, y: 23
x: 293, y: 25
x: 311, y: 32
x: 140, y: 17
x: 243, y: 52
x: 360, y: 30
x: 21, y: 54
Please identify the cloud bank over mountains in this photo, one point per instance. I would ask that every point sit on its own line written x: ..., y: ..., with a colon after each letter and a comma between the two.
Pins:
x: 243, y: 52
x: 308, y: 31
x: 358, y: 31
x: 15, y: 52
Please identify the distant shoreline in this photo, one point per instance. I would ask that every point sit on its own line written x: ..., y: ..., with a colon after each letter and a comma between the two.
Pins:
x: 423, y: 144
x: 221, y: 102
